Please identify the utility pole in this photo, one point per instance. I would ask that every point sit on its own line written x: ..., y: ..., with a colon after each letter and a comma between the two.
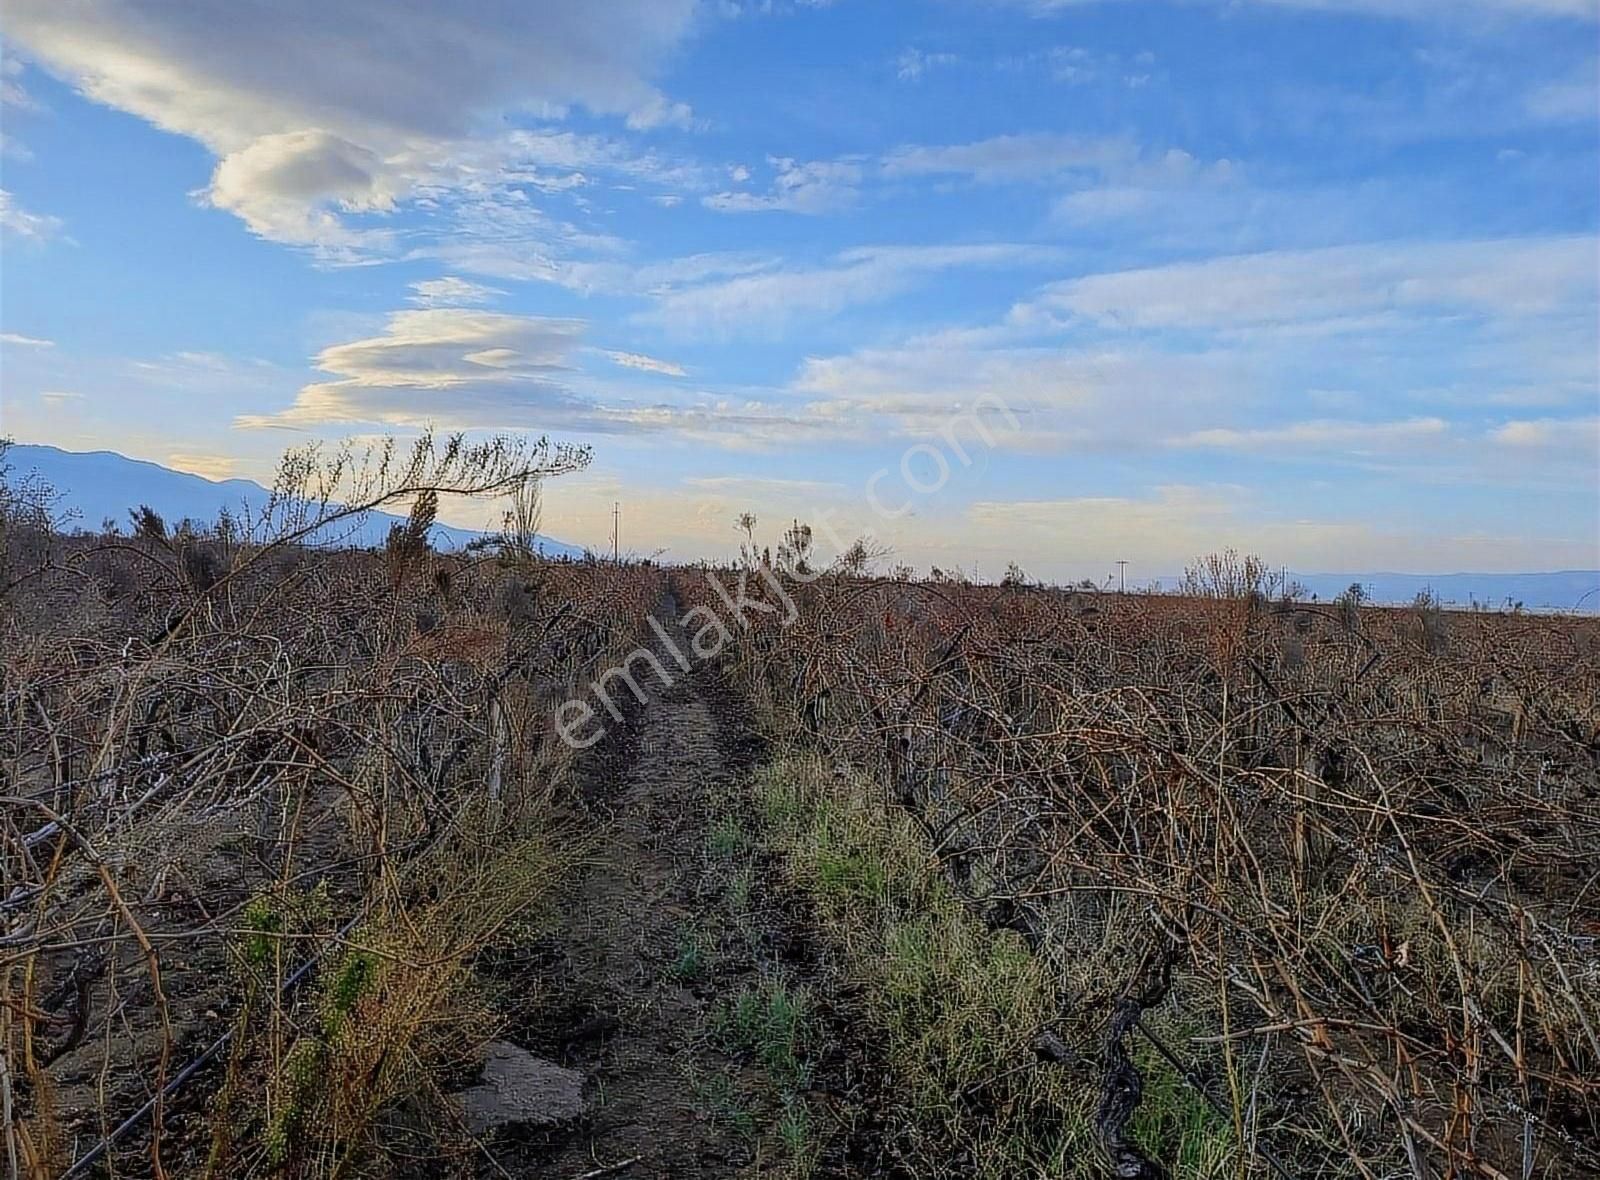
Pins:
x: 1122, y: 577
x: 616, y: 530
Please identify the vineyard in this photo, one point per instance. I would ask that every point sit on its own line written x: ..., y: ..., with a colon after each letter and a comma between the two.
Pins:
x: 1334, y: 867
x: 1225, y: 884
x: 264, y: 803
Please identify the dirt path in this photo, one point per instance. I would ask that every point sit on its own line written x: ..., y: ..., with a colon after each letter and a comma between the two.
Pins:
x: 626, y: 1000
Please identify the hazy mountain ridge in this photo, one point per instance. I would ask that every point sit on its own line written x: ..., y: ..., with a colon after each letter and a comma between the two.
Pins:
x: 96, y: 485
x: 101, y: 484
x: 1555, y: 590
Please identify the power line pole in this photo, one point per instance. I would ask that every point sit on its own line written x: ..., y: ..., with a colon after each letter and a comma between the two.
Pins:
x: 1122, y: 577
x: 616, y: 529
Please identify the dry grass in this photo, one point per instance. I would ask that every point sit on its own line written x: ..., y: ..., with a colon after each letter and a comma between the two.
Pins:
x: 394, y: 1015
x: 280, y: 795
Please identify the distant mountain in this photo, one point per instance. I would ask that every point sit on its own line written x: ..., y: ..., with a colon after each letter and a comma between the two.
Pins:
x: 100, y: 484
x: 1564, y: 590
x: 1557, y: 590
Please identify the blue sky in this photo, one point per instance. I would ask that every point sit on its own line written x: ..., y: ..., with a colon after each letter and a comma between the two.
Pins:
x: 1316, y: 279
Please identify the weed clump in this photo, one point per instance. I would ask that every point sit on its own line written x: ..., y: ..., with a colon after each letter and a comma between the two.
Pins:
x: 960, y: 1007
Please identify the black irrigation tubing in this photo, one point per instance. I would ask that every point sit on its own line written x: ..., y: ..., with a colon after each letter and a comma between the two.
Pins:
x: 81, y: 1165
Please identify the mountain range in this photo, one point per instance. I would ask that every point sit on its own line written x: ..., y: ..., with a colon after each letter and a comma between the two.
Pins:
x: 100, y: 485
x: 1556, y: 590
x: 96, y: 485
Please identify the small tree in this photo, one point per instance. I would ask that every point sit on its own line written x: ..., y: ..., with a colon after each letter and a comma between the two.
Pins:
x: 1349, y: 604
x: 407, y: 542
x: 749, y: 553
x: 794, y: 551
x: 1230, y: 574
x: 1430, y: 615
x: 519, y: 525
x: 28, y: 501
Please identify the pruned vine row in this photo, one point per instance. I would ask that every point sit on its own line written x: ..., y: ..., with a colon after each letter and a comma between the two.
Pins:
x: 1362, y: 841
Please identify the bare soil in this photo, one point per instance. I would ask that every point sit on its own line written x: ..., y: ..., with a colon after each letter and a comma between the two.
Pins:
x: 614, y: 997
x: 608, y: 998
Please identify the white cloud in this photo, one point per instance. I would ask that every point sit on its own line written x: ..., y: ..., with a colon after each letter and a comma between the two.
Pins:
x: 35, y: 227
x: 1012, y: 157
x: 913, y: 63
x: 1319, y: 435
x: 1170, y: 186
x: 821, y: 186
x: 466, y: 369
x: 449, y: 365
x: 12, y: 92
x: 1569, y: 100
x: 756, y: 485
x: 509, y: 256
x: 1338, y: 286
x: 1405, y: 9
x: 1065, y: 399
x: 1159, y: 531
x: 1447, y: 9
x: 659, y: 112
x: 1233, y: 355
x: 647, y: 364
x: 369, y: 69
x: 450, y: 291
x: 1072, y: 65
x: 282, y: 186
x: 315, y: 108
x: 21, y: 341
x: 1577, y: 437
x: 213, y: 467
x: 765, y: 300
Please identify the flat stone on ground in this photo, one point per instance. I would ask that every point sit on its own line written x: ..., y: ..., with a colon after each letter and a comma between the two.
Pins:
x: 521, y: 1089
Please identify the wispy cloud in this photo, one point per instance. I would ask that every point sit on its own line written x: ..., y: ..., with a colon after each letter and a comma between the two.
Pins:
x: 12, y: 92
x: 208, y: 466
x: 1012, y: 157
x: 1573, y: 438
x: 768, y: 300
x: 17, y: 221
x: 1574, y: 99
x: 450, y: 291
x: 755, y: 485
x: 820, y: 186
x: 647, y: 364
x: 913, y: 63
x: 1334, y: 286
x: 1319, y: 436
x: 1160, y: 529
x: 1431, y: 10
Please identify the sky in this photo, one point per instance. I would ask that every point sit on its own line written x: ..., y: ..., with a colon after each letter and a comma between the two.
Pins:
x: 1059, y: 282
